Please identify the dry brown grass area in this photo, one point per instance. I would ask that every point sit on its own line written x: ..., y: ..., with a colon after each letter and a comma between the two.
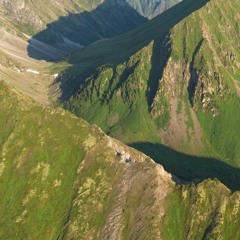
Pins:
x: 19, y: 70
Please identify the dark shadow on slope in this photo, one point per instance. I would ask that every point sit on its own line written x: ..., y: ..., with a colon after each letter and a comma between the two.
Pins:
x: 72, y: 32
x: 116, y: 50
x: 191, y: 168
x: 160, y: 55
x: 194, y: 76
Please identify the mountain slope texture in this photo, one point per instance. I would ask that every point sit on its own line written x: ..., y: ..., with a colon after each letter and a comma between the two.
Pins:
x: 151, y: 8
x: 70, y: 25
x: 58, y: 28
x: 177, y: 86
x: 169, y: 87
x: 85, y: 185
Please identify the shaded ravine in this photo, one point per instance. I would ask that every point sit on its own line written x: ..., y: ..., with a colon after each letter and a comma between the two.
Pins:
x: 77, y: 30
x: 114, y: 51
x: 194, y: 77
x: 191, y: 168
x: 161, y: 53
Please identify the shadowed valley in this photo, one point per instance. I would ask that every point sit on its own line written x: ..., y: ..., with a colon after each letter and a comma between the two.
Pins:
x: 167, y: 88
x: 140, y: 86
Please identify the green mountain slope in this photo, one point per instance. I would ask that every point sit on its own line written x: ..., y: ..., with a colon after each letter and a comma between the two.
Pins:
x: 175, y: 86
x: 61, y: 178
x: 59, y: 28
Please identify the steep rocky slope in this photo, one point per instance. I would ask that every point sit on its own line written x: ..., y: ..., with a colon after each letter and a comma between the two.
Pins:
x: 152, y: 8
x: 174, y: 86
x: 61, y: 178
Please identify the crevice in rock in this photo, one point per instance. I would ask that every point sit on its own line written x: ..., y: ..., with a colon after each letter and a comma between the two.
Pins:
x: 193, y: 81
x: 160, y: 55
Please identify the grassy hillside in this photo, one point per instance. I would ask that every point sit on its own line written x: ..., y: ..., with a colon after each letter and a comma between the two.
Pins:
x: 61, y: 178
x: 118, y: 50
x: 168, y: 82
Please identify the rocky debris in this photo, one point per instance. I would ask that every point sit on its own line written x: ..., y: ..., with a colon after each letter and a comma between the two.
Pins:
x: 90, y: 142
x: 22, y: 13
x: 156, y: 185
x: 32, y: 71
x: 126, y: 154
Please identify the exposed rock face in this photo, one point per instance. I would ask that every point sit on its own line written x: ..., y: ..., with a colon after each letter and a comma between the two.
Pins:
x: 152, y: 8
x: 22, y: 13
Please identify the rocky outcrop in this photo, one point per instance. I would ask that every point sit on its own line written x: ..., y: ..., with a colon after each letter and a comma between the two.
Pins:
x: 152, y: 8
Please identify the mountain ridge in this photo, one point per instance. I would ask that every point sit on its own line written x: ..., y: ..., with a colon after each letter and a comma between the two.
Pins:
x: 170, y: 93
x: 178, y: 89
x: 22, y: 19
x: 93, y: 19
x: 103, y: 52
x: 77, y: 185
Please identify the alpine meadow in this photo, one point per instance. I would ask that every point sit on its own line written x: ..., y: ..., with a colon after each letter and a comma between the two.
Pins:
x: 120, y: 119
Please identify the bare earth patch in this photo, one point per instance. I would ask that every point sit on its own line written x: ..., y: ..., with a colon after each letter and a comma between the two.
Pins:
x: 27, y: 74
